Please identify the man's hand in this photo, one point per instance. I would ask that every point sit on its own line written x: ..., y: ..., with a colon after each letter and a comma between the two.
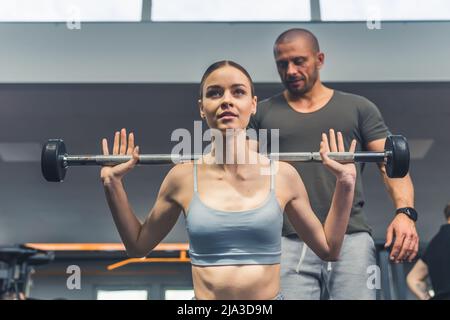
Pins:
x: 406, y: 243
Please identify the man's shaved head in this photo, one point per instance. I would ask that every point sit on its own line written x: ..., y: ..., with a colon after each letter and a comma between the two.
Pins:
x: 298, y: 58
x: 292, y: 34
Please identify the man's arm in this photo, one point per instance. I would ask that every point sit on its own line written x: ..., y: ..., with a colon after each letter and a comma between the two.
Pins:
x: 416, y: 280
x: 401, y: 191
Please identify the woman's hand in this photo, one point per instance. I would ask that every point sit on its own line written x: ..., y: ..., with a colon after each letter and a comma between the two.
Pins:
x: 343, y: 172
x: 120, y: 147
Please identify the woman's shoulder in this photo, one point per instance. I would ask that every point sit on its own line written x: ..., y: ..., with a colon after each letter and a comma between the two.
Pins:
x: 177, y: 185
x: 286, y: 174
x: 179, y: 175
x: 280, y: 168
x: 288, y: 181
x: 285, y: 168
x: 181, y: 170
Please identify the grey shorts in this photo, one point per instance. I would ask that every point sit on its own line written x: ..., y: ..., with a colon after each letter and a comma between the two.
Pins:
x: 304, y: 276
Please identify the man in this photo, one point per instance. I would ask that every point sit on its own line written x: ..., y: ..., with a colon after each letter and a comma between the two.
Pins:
x: 304, y: 110
x: 435, y: 263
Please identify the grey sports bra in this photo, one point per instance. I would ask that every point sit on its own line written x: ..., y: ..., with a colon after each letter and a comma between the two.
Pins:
x: 234, y: 238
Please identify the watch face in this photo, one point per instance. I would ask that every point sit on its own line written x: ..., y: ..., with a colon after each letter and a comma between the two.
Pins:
x: 409, y: 212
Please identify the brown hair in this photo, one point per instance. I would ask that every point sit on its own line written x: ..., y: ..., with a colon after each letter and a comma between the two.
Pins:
x: 221, y: 64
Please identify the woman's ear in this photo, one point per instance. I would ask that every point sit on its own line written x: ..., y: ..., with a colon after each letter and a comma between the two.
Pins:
x: 254, y: 104
x: 200, y: 106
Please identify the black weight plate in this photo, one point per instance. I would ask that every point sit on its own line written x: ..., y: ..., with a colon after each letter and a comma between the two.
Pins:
x: 52, y: 162
x: 397, y: 164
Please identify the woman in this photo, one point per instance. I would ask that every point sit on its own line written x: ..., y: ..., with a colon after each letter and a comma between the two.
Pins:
x: 233, y: 211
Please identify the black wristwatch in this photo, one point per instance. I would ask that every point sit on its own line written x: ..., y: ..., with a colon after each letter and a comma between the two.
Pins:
x: 410, y: 212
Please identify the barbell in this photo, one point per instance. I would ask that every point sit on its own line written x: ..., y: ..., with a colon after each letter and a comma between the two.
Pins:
x: 55, y: 160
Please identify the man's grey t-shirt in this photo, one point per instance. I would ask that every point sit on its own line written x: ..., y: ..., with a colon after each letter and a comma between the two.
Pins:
x: 353, y: 115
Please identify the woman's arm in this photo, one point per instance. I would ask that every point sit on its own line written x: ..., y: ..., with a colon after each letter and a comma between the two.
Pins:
x: 139, y: 239
x: 326, y: 240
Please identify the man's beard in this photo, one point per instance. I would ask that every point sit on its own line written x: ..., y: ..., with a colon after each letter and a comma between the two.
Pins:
x: 308, y: 85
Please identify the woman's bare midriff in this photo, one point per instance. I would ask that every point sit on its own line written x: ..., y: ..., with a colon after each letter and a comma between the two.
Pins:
x: 239, y: 282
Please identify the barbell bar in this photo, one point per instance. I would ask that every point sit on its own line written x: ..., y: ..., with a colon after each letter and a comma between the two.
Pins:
x: 55, y: 160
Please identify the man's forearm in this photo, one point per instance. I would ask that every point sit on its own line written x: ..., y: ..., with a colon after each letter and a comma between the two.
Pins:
x: 401, y: 190
x: 419, y: 288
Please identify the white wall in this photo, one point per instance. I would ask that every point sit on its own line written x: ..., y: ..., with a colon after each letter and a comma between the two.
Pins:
x: 171, y: 52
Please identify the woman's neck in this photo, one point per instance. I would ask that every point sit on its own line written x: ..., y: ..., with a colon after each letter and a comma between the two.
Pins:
x: 230, y: 150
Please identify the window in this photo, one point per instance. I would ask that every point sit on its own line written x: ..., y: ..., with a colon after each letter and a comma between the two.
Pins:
x: 70, y: 10
x: 122, y: 295
x: 230, y: 10
x: 384, y: 10
x: 178, y: 294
